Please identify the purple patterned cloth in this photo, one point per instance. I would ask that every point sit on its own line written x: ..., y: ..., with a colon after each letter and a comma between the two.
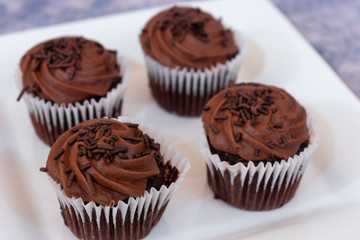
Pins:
x: 331, y: 26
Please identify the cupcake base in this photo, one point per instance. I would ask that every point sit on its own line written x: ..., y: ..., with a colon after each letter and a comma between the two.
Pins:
x: 176, y: 100
x: 245, y: 196
x: 49, y: 136
x: 120, y: 229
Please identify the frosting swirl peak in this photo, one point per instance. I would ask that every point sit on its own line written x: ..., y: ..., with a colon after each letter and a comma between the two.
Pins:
x: 255, y: 122
x: 104, y: 161
x: 69, y: 69
x: 187, y: 37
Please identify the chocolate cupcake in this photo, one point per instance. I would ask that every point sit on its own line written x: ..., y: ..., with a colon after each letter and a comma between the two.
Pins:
x: 68, y: 80
x: 190, y: 56
x: 113, y: 180
x: 257, y: 142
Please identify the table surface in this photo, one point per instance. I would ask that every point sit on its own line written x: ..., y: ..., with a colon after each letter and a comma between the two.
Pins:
x: 327, y: 202
x: 331, y: 26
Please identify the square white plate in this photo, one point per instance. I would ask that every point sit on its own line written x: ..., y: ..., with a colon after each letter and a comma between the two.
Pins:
x: 327, y: 203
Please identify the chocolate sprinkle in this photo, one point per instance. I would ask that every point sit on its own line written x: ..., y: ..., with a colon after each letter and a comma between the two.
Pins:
x: 72, y: 140
x: 25, y: 88
x: 262, y: 110
x: 132, y: 125
x: 120, y: 149
x: 252, y: 120
x: 35, y: 65
x: 147, y: 152
x: 238, y: 137
x: 155, y: 146
x: 90, y: 183
x: 224, y: 117
x: 214, y: 129
x: 239, y: 124
x: 70, y: 179
x: 43, y: 169
x: 104, y: 146
x: 61, y: 151
x: 129, y: 138
x: 147, y: 43
x: 284, y: 140
x: 85, y: 167
x: 206, y: 108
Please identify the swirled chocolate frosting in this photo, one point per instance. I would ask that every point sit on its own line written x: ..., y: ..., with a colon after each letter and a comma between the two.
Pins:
x: 255, y: 122
x: 69, y: 69
x: 106, y: 161
x: 187, y: 37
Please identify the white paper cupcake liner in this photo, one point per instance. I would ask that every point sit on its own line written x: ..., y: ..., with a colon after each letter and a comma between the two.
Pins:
x: 197, y: 84
x: 145, y: 210
x: 270, y: 177
x: 57, y: 118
